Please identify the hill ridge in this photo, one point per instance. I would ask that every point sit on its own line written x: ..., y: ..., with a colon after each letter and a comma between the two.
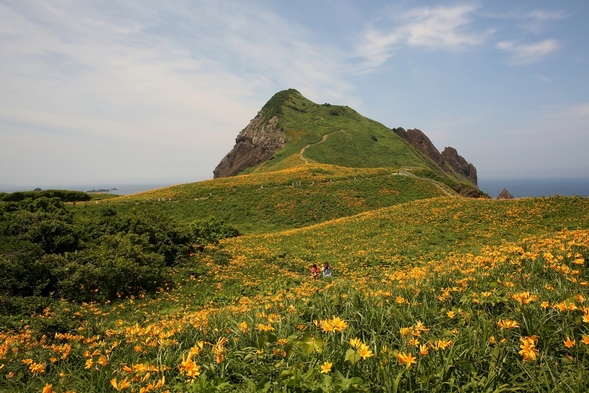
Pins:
x: 289, y: 123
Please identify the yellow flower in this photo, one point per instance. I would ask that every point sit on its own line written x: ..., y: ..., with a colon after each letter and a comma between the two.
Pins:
x: 528, y: 348
x: 451, y: 314
x: 355, y: 342
x: 405, y: 331
x: 326, y: 367
x: 47, y: 389
x: 407, y: 359
x: 423, y: 349
x: 442, y: 344
x: 188, y: 367
x: 585, y: 340
x: 102, y: 360
x: 586, y: 317
x: 333, y: 325
x: 37, y: 368
x: 89, y: 363
x: 124, y: 384
x: 507, y: 324
x: 265, y: 328
x: 569, y: 343
x: 364, y: 352
x: 524, y: 297
x: 243, y: 327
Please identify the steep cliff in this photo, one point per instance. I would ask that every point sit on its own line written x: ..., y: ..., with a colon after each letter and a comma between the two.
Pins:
x: 255, y: 144
x: 449, y: 160
x: 459, y: 164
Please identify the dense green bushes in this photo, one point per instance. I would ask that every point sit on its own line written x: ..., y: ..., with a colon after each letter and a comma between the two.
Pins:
x: 47, y: 251
x: 210, y: 231
x: 64, y: 195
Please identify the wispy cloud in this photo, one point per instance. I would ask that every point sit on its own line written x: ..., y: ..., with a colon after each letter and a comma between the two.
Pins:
x: 528, y: 53
x: 158, y: 77
x: 434, y: 28
x: 537, y: 20
x: 543, y: 78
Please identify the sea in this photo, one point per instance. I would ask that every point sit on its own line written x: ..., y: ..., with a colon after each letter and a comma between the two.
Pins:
x: 530, y: 187
x: 117, y: 189
x: 519, y: 188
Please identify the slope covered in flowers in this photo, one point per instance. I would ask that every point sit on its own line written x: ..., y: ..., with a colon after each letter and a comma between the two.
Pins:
x: 437, y: 295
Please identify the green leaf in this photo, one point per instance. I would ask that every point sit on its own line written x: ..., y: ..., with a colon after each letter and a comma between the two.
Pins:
x: 311, y: 344
x: 352, y: 356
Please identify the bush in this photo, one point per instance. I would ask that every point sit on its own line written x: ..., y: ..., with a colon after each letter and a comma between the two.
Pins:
x: 121, y: 265
x: 63, y: 195
x: 210, y: 231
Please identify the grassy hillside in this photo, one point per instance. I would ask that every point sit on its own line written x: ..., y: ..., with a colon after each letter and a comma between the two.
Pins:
x: 296, y: 197
x: 431, y: 292
x: 335, y: 135
x: 437, y: 295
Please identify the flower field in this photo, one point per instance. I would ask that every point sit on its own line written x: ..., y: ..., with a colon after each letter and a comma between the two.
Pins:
x: 436, y: 295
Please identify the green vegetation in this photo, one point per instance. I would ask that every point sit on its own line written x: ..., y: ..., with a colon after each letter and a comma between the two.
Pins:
x: 206, y: 287
x: 64, y: 195
x: 268, y: 202
x: 336, y: 135
x: 47, y: 251
x: 443, y: 294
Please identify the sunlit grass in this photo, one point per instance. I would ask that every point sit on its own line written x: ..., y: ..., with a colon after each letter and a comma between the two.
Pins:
x: 436, y: 295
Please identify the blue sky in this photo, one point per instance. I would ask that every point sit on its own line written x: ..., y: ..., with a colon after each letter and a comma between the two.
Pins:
x: 112, y: 92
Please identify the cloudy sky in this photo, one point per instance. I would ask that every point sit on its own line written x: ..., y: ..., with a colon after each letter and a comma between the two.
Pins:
x: 112, y: 92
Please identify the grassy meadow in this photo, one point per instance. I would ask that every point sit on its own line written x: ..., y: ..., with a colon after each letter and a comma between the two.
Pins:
x: 437, y: 294
x: 431, y: 292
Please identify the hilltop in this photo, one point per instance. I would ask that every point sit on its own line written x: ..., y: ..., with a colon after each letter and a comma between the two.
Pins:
x: 291, y: 130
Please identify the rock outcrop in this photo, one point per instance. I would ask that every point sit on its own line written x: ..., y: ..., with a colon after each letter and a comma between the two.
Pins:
x: 449, y: 160
x: 460, y: 165
x: 419, y: 140
x: 255, y: 144
x: 504, y: 194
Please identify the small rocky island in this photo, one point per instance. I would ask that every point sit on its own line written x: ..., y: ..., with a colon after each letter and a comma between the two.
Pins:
x: 101, y: 190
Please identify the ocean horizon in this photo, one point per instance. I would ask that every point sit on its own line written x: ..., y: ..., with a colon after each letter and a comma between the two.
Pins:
x: 518, y: 187
x: 121, y: 189
x: 536, y: 187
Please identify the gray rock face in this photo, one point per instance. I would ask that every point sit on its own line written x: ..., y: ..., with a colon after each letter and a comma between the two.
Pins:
x: 504, y: 194
x: 459, y: 164
x: 449, y: 157
x: 255, y: 144
x: 419, y: 140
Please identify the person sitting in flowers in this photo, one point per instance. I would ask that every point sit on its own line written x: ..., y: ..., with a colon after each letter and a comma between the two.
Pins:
x: 315, y: 271
x: 326, y: 270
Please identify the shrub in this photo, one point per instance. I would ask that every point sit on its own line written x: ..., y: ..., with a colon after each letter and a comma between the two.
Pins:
x: 210, y: 231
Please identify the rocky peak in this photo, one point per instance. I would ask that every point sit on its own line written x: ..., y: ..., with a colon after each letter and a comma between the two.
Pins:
x: 449, y: 158
x: 504, y: 194
x: 255, y: 144
x: 419, y: 140
x: 459, y: 164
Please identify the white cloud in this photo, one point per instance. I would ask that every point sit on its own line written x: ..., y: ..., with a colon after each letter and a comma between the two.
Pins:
x: 133, y: 76
x: 530, y: 53
x: 537, y: 20
x: 443, y: 27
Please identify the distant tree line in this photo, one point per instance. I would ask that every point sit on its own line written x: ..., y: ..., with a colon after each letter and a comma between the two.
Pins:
x: 64, y: 195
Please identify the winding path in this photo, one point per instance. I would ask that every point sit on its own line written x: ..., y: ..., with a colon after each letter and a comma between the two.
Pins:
x: 316, y: 143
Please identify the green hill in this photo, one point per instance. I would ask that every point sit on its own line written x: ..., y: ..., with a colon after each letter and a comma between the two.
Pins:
x: 431, y: 291
x: 334, y: 163
x: 335, y: 135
